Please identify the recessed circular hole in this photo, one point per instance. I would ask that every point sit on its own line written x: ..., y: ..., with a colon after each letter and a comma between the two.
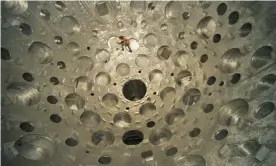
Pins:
x: 233, y: 18
x: 211, y: 80
x: 231, y: 60
x: 174, y: 115
x: 5, y: 54
x: 28, y: 77
x: 35, y: 147
x: 155, y: 76
x: 88, y: 48
x: 150, y: 40
x: 210, y: 94
x: 194, y: 45
x: 173, y: 10
x: 208, y: 108
x: 150, y: 124
x: 41, y: 52
x: 221, y: 83
x: 245, y: 30
x: 103, y: 78
x: 154, y: 93
x: 186, y: 16
x: 102, y: 55
x: 122, y: 119
x: 164, y: 52
x: 60, y: 6
x: 83, y: 83
x: 221, y: 9
x: 204, y: 58
x: 183, y: 78
x: 25, y: 29
x: 235, y: 78
x: 139, y: 71
x: 172, y: 74
x: 110, y: 100
x: 195, y: 160
x: 61, y: 65
x: 261, y: 57
x: 142, y: 61
x: 71, y: 142
x: 205, y: 4
x: 123, y: 69
x: 221, y: 134
x: 133, y: 137
x: 103, y: 138
x: 74, y: 101
x: 45, y: 14
x: 264, y: 110
x: 181, y: 35
x: 27, y: 127
x: 134, y: 90
x: 230, y: 112
x: 160, y: 136
x: 147, y: 110
x: 147, y: 154
x: 206, y: 27
x: 87, y: 151
x: 92, y: 94
x: 16, y: 93
x: 216, y: 38
x: 90, y: 118
x: 70, y: 25
x: 54, y: 80
x: 191, y: 97
x: 85, y: 63
x: 194, y: 132
x: 267, y: 82
x: 168, y: 94
x: 58, y: 40
x: 181, y: 58
x: 114, y: 84
x: 104, y: 160
x: 171, y: 151
x: 52, y: 99
x: 55, y: 118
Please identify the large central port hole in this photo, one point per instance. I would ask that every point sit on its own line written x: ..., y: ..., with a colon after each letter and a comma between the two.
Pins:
x: 134, y: 90
x: 133, y: 137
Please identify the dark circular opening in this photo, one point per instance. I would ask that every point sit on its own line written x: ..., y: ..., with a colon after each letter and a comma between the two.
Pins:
x: 194, y: 45
x: 27, y: 127
x: 71, y: 142
x: 133, y: 137
x: 55, y: 118
x: 54, y: 80
x: 52, y: 99
x: 233, y: 18
x: 150, y: 124
x: 172, y: 74
x: 60, y: 6
x: 25, y: 29
x: 58, y: 40
x: 104, y: 160
x: 154, y: 93
x: 221, y: 83
x: 210, y: 94
x: 235, y: 78
x: 127, y: 108
x: 146, y: 154
x: 221, y: 134
x: 87, y: 151
x: 28, y: 77
x: 61, y: 65
x: 92, y: 94
x: 139, y: 71
x: 245, y: 29
x: 211, y: 80
x: 204, y: 58
x: 88, y: 48
x: 216, y: 38
x: 114, y: 84
x: 221, y: 9
x: 208, y: 108
x: 5, y: 54
x: 171, y: 151
x: 134, y: 90
x: 151, y: 6
x: 194, y: 132
x: 186, y: 16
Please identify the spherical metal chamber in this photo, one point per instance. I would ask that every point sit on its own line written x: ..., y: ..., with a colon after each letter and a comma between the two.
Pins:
x: 197, y: 88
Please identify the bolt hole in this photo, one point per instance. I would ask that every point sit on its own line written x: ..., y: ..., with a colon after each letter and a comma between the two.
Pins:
x: 92, y: 94
x: 5, y: 54
x: 172, y: 74
x: 235, y: 78
x: 194, y: 45
x: 154, y: 93
x: 54, y: 80
x: 139, y: 71
x: 114, y: 84
x: 211, y: 80
x: 27, y: 127
x: 221, y: 9
x: 104, y: 160
x: 52, y: 99
x: 208, y: 108
x: 210, y: 94
x: 88, y: 48
x: 134, y: 90
x: 221, y: 134
x: 245, y: 29
x: 71, y: 142
x: 150, y: 124
x: 194, y: 132
x: 133, y: 137
x: 171, y: 151
x: 25, y: 29
x: 216, y: 38
x: 151, y: 6
x: 28, y: 77
x: 204, y: 58
x: 55, y: 118
x: 221, y: 83
x: 127, y: 108
x: 61, y: 65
